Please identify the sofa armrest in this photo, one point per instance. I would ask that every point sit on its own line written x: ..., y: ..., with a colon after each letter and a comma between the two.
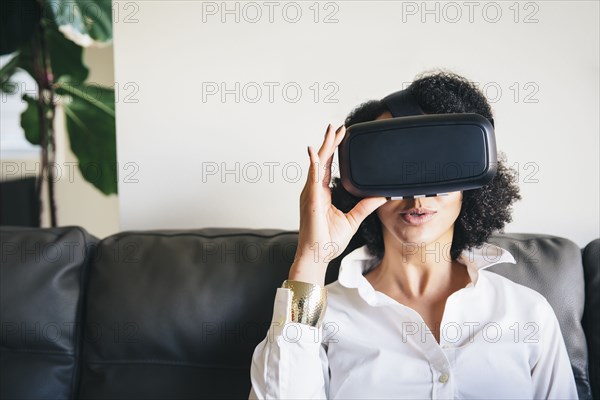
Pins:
x: 591, y: 317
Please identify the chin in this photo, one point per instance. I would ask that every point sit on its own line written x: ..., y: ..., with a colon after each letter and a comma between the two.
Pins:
x: 420, y: 235
x: 418, y: 239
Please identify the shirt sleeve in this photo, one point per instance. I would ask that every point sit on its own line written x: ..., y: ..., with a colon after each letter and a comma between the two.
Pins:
x: 552, y: 374
x: 291, y: 362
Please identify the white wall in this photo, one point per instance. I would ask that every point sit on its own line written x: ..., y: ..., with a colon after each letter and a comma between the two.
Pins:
x: 168, y: 136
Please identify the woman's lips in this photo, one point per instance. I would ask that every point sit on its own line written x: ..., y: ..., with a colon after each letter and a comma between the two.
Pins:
x: 416, y: 219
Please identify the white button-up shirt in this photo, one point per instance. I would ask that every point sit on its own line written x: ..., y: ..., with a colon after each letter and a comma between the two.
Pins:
x: 498, y: 340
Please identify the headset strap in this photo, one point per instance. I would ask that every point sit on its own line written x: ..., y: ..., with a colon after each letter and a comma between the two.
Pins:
x: 403, y: 104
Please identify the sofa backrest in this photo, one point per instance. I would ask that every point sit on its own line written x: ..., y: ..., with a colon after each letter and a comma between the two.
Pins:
x: 42, y: 277
x: 178, y: 313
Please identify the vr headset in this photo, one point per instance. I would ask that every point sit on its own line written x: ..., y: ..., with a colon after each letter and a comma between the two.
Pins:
x: 415, y: 155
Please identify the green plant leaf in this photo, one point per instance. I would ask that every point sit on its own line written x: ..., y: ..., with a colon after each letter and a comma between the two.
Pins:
x: 30, y: 121
x: 18, y: 21
x: 6, y: 72
x: 90, y: 116
x: 83, y: 20
x: 66, y: 57
x: 9, y: 68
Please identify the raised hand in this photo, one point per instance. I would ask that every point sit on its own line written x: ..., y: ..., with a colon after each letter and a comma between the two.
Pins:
x: 325, y: 231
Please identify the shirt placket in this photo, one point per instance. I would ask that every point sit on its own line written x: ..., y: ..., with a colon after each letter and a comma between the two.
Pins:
x: 440, y: 356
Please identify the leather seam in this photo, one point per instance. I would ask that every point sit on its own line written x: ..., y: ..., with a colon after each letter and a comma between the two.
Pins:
x: 164, y: 362
x: 34, y: 351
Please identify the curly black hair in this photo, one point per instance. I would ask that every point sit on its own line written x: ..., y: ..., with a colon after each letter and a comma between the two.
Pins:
x: 484, y: 210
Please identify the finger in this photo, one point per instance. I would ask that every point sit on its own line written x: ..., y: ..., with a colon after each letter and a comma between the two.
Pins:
x: 324, y: 151
x: 313, y: 173
x: 338, y: 137
x: 326, y: 142
x: 327, y: 172
x: 340, y: 133
x: 362, y: 210
x: 329, y: 144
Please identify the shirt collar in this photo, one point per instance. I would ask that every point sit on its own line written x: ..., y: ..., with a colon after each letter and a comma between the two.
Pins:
x: 360, y: 261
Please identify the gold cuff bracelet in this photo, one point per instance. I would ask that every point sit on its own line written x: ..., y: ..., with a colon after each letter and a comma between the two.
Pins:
x: 309, y: 302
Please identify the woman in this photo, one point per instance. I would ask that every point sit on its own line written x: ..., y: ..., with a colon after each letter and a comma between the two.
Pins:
x: 413, y: 313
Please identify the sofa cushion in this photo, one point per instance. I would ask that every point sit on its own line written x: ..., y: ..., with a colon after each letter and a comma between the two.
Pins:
x: 41, y: 276
x: 177, y: 314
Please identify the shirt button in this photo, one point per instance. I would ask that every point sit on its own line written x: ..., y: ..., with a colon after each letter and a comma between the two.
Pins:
x: 444, y: 378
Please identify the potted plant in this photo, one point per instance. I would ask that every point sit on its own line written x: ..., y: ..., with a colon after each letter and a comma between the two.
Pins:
x: 46, y: 40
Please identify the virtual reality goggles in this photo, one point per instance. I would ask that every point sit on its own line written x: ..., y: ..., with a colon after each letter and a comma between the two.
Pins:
x: 416, y: 155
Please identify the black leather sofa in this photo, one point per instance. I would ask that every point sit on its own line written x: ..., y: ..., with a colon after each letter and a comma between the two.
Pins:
x: 178, y: 313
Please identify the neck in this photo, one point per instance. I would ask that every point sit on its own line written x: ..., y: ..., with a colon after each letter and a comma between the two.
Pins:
x: 416, y: 270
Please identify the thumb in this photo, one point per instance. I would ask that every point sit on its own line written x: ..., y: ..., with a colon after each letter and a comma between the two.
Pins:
x: 362, y: 210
